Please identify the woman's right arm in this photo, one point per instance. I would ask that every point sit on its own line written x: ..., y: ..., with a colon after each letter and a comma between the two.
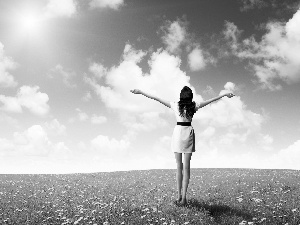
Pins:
x: 137, y: 91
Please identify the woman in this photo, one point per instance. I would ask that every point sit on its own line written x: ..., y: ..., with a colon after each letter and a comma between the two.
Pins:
x: 183, y: 138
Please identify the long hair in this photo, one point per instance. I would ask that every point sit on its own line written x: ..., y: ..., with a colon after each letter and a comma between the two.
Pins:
x: 186, y: 103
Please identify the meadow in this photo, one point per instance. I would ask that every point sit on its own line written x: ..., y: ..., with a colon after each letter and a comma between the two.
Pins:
x: 216, y: 196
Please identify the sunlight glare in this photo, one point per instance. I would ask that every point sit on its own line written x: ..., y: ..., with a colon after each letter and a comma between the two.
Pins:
x: 29, y: 23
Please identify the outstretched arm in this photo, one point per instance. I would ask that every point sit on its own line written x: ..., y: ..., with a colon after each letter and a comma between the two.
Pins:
x: 137, y: 91
x: 202, y: 104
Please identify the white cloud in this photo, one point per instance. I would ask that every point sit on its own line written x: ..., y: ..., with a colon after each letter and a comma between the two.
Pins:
x: 33, y: 100
x: 67, y: 75
x: 229, y: 112
x: 287, y: 158
x: 97, y: 69
x: 104, y: 146
x: 10, y: 104
x: 275, y: 56
x: 55, y: 127
x: 165, y: 79
x: 82, y: 116
x: 251, y: 4
x: 5, y: 119
x: 34, y: 141
x: 209, y: 91
x: 28, y: 97
x: 113, y: 4
x: 87, y: 97
x: 196, y: 59
x: 230, y: 126
x: 175, y: 35
x: 133, y: 55
x: 98, y: 119
x: 58, y: 8
x: 6, y: 64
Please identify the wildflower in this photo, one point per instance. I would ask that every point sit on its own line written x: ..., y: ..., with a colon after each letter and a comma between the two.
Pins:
x: 77, y: 221
x: 263, y: 219
x: 239, y: 199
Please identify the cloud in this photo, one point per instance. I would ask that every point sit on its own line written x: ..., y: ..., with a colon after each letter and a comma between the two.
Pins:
x: 104, y: 146
x: 273, y: 4
x: 34, y: 141
x: 251, y: 4
x: 174, y: 35
x: 66, y: 75
x: 28, y: 97
x: 228, y: 126
x: 98, y: 119
x: 209, y: 91
x: 97, y: 69
x: 287, y: 158
x: 55, y: 127
x: 6, y: 64
x: 196, y: 60
x: 273, y: 58
x: 58, y: 8
x: 229, y: 112
x: 87, y: 97
x: 33, y: 100
x: 83, y: 117
x: 165, y: 79
x: 113, y: 4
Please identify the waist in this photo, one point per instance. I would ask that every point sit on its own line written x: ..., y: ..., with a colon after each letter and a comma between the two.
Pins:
x: 184, y: 123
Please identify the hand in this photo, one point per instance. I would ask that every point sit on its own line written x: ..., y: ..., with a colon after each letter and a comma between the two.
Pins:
x: 229, y: 95
x: 136, y: 91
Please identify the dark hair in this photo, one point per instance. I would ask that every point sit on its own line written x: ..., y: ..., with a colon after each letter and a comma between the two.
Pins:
x: 186, y: 97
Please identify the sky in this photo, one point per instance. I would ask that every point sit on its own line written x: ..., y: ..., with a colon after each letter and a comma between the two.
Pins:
x: 67, y: 68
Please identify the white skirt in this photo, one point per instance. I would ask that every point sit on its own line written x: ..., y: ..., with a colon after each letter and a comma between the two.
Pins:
x: 183, y: 139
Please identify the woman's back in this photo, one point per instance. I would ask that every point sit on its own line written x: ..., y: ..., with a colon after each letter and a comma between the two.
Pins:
x: 184, y: 118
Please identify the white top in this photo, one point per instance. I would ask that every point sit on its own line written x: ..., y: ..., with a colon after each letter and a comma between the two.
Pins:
x: 175, y: 107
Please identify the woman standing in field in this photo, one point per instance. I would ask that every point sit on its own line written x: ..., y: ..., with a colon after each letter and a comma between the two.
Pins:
x: 183, y: 138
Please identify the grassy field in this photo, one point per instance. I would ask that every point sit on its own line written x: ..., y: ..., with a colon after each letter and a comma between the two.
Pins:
x: 216, y: 196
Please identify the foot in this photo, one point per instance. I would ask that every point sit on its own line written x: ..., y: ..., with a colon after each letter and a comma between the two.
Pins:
x: 179, y: 199
x: 183, y: 202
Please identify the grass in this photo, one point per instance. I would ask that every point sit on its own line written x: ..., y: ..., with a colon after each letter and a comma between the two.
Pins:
x: 215, y: 196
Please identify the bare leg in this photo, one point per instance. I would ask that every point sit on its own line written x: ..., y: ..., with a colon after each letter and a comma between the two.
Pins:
x: 186, y: 176
x: 178, y: 157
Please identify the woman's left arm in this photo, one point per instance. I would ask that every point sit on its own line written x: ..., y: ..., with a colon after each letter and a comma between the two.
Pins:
x: 202, y: 104
x: 137, y: 91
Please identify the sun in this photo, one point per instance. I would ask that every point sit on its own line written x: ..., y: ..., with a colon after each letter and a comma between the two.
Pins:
x: 29, y: 23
